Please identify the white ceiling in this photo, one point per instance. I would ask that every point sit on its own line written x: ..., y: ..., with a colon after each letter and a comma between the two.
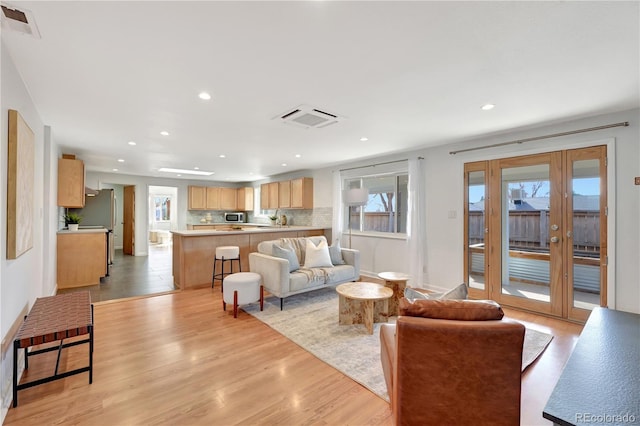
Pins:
x: 406, y: 75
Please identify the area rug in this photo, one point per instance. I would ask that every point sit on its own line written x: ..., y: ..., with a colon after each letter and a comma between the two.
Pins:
x: 311, y: 321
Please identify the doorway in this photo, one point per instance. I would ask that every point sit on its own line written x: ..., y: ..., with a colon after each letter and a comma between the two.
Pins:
x: 536, y: 231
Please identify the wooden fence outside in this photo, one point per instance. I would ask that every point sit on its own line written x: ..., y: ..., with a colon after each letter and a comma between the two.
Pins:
x: 530, y: 230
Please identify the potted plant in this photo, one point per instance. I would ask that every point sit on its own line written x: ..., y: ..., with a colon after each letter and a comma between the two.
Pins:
x: 72, y: 220
x: 273, y: 218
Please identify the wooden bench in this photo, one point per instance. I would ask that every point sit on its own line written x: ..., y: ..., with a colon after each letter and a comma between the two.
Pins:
x: 52, y: 319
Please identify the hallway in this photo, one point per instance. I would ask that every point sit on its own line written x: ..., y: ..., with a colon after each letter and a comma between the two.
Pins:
x: 131, y: 276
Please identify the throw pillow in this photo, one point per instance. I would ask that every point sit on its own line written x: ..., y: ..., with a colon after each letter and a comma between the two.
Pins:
x: 461, y: 310
x: 410, y: 293
x: 335, y: 252
x: 289, y: 255
x: 317, y: 256
x: 459, y: 292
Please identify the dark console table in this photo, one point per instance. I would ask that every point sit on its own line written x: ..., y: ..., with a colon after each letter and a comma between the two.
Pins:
x: 600, y: 384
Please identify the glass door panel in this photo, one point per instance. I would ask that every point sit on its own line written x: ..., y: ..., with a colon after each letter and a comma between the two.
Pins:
x: 585, y: 231
x: 476, y: 193
x: 525, y: 248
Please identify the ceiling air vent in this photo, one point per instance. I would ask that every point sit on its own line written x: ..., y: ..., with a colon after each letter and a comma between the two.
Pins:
x: 308, y: 117
x: 18, y: 20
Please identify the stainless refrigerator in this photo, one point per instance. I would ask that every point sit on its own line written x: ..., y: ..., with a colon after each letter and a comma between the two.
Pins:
x: 99, y: 211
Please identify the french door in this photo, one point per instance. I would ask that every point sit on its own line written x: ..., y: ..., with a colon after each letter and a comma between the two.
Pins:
x: 535, y: 231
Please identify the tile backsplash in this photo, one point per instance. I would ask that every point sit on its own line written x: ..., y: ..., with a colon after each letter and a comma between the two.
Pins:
x: 321, y: 217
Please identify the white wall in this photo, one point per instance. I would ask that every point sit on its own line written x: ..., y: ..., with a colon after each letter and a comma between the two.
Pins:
x: 444, y: 190
x: 24, y: 279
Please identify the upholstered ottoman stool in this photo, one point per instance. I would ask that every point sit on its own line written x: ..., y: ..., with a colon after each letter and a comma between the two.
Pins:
x: 242, y: 288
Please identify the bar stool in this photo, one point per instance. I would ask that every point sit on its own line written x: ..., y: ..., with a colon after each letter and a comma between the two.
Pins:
x: 225, y: 254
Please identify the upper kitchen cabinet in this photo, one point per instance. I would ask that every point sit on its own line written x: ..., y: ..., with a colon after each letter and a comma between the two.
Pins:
x: 228, y: 198
x: 269, y: 195
x: 302, y: 193
x: 197, y: 198
x: 213, y: 198
x: 70, y: 182
x: 284, y: 194
x: 245, y: 199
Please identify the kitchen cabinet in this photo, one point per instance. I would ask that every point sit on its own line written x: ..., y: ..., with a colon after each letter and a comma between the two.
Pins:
x: 245, y: 199
x: 81, y: 258
x: 197, y: 198
x: 302, y: 193
x: 213, y: 198
x: 228, y: 199
x: 289, y: 194
x: 269, y: 196
x: 70, y: 182
x: 284, y: 194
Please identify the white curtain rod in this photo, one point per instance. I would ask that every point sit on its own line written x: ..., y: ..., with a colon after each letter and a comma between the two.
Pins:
x: 554, y: 135
x: 377, y: 164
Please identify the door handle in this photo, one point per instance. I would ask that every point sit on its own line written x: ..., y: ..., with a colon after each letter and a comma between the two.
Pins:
x: 555, y: 239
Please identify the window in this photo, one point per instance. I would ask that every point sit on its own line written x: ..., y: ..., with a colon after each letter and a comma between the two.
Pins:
x: 162, y: 208
x: 386, y: 207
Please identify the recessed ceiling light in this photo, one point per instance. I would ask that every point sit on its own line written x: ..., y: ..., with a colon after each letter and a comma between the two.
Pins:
x: 364, y: 139
x: 164, y: 133
x: 178, y: 175
x: 222, y: 156
x: 487, y: 107
x: 115, y: 170
x: 284, y: 164
x: 120, y: 160
x: 196, y: 168
x: 298, y: 155
x: 204, y: 96
x: 186, y: 172
x: 132, y: 143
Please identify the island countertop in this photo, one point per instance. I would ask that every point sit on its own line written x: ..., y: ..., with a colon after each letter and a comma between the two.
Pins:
x: 247, y: 229
x: 193, y: 250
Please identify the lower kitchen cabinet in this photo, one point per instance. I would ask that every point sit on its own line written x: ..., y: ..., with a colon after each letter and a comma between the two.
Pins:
x: 82, y: 258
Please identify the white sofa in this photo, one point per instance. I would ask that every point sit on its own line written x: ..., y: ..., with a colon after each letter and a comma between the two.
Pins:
x: 280, y: 282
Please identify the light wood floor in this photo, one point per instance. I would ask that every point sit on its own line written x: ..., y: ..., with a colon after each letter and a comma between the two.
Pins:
x: 179, y: 359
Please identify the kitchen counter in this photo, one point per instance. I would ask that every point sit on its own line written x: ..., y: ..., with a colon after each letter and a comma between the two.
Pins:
x: 84, y: 231
x: 194, y: 250
x: 247, y: 229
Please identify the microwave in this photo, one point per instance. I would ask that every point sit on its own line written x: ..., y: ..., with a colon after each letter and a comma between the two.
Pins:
x: 237, y: 217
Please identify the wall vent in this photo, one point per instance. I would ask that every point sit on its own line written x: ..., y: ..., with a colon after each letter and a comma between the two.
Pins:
x: 308, y: 117
x: 18, y: 20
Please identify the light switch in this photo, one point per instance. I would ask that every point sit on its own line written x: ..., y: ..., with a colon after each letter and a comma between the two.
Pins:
x: 452, y: 214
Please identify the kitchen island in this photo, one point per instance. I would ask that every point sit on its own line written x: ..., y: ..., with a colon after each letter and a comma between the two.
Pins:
x: 194, y: 250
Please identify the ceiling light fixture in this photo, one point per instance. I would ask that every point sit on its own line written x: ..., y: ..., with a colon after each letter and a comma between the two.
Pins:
x: 204, y: 96
x: 364, y: 139
x: 298, y: 155
x: 164, y: 133
x: 115, y: 170
x: 487, y: 107
x: 196, y: 168
x: 132, y: 143
x: 222, y: 156
x: 120, y: 160
x: 186, y: 172
x: 284, y: 164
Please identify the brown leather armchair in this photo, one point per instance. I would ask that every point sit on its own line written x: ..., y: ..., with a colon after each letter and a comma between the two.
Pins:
x: 461, y: 365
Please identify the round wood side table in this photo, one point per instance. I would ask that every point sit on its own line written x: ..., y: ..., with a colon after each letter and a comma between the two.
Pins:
x: 396, y: 281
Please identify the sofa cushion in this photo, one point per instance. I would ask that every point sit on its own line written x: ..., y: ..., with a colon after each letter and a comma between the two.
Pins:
x: 335, y: 252
x: 287, y: 254
x: 462, y: 310
x: 317, y: 256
